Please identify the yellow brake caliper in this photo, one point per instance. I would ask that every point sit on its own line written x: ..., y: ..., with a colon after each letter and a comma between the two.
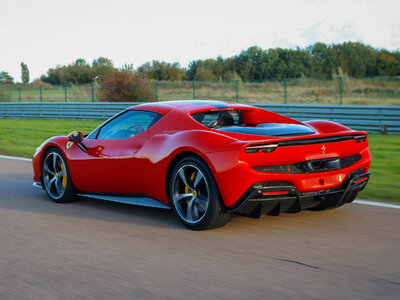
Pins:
x: 64, y: 179
x: 187, y: 190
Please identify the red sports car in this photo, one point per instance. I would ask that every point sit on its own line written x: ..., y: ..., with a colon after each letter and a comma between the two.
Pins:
x: 207, y: 160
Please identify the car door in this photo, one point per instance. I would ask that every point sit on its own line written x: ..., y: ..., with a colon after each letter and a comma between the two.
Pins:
x: 109, y: 164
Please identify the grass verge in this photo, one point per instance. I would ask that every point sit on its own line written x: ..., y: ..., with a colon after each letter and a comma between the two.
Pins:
x: 22, y: 137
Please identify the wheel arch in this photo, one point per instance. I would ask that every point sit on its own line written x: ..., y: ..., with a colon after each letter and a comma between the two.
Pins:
x: 46, y: 150
x: 176, y: 159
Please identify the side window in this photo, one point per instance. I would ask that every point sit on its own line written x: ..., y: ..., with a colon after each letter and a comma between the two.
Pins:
x: 128, y: 125
x: 221, y: 118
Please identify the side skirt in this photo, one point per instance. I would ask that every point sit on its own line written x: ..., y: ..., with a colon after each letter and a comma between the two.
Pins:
x: 38, y: 185
x: 135, y: 200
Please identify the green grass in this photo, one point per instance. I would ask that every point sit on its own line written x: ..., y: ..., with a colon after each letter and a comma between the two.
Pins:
x: 385, y: 169
x: 22, y: 137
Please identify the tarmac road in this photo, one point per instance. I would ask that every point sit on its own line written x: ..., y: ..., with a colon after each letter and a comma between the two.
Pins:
x: 93, y: 249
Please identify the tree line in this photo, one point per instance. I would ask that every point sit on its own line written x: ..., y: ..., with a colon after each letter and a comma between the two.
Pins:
x: 320, y: 60
x: 317, y: 61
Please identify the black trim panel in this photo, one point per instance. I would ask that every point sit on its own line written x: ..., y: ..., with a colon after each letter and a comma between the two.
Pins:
x: 141, y: 200
x: 257, y: 201
x: 330, y: 139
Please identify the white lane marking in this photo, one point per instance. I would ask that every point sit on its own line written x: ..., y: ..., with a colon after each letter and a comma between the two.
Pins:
x: 15, y: 158
x: 381, y: 204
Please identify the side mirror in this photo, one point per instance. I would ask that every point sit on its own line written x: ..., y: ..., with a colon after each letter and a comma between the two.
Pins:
x: 76, y: 137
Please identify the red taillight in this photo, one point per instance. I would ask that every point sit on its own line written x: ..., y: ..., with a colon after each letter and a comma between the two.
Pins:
x: 360, y: 180
x: 276, y: 193
x: 264, y: 148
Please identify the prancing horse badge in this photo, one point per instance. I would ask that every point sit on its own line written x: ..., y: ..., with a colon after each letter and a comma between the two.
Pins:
x: 323, y: 149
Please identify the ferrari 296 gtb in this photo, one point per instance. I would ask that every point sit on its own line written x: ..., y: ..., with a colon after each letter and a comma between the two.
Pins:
x: 207, y: 160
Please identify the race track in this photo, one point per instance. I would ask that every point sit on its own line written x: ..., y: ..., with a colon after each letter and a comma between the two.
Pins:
x: 93, y: 249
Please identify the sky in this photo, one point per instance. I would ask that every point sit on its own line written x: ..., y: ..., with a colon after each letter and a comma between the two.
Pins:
x: 47, y: 33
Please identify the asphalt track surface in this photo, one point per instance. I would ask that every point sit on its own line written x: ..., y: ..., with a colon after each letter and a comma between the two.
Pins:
x: 92, y: 249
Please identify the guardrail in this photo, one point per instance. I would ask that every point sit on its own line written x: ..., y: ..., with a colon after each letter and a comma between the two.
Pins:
x: 373, y: 119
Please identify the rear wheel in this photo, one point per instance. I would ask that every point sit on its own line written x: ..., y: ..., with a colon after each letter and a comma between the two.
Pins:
x: 194, y: 195
x: 56, y: 178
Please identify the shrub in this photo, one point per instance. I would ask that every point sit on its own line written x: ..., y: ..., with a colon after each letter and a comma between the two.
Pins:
x: 204, y: 74
x: 40, y: 83
x: 124, y: 86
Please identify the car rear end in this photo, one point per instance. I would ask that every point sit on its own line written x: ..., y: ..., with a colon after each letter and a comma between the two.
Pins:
x: 289, y: 174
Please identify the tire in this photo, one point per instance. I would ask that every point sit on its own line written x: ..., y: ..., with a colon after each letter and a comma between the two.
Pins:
x: 194, y: 195
x: 56, y: 177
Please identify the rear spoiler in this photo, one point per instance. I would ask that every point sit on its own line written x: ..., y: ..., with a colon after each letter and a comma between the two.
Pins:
x: 269, y: 147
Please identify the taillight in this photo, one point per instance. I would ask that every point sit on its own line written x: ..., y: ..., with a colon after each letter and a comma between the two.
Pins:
x: 360, y: 138
x: 264, y: 148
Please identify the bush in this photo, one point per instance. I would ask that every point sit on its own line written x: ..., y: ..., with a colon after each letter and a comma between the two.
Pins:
x: 124, y: 86
x: 40, y: 83
x: 204, y: 74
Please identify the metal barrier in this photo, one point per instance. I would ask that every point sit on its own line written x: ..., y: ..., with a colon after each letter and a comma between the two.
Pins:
x: 373, y: 119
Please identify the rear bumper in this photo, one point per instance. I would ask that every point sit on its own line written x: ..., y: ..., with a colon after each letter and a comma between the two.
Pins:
x: 272, y: 198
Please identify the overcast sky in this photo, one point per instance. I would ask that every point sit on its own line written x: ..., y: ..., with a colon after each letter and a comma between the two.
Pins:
x: 44, y: 33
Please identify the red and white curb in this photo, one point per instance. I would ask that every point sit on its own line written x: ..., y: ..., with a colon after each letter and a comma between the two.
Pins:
x: 364, y: 202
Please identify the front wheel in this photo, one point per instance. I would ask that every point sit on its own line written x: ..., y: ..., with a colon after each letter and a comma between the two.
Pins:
x: 56, y: 178
x: 194, y: 195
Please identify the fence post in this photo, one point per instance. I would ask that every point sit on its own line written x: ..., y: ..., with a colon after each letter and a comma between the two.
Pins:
x: 237, y: 90
x: 65, y: 93
x: 41, y: 93
x: 341, y: 89
x: 194, y: 90
x: 19, y: 94
x: 285, y: 90
x: 156, y: 91
x: 92, y: 92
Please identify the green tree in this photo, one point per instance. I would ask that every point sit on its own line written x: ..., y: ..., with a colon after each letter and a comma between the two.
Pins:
x: 355, y: 59
x: 79, y: 72
x: 101, y: 67
x: 205, y: 74
x: 252, y: 63
x: 160, y: 70
x: 387, y: 64
x: 102, y: 61
x: 80, y: 62
x: 5, y: 78
x: 24, y: 73
x: 128, y: 68
x: 193, y: 66
x: 291, y: 64
x: 323, y: 60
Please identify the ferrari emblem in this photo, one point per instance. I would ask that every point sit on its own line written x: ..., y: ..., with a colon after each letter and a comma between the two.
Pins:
x: 69, y: 144
x: 323, y: 149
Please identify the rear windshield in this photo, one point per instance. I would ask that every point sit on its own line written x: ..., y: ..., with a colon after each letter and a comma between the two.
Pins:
x: 221, y: 118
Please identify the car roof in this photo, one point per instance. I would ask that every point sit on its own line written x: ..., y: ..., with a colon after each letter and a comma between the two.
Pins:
x: 186, y: 105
